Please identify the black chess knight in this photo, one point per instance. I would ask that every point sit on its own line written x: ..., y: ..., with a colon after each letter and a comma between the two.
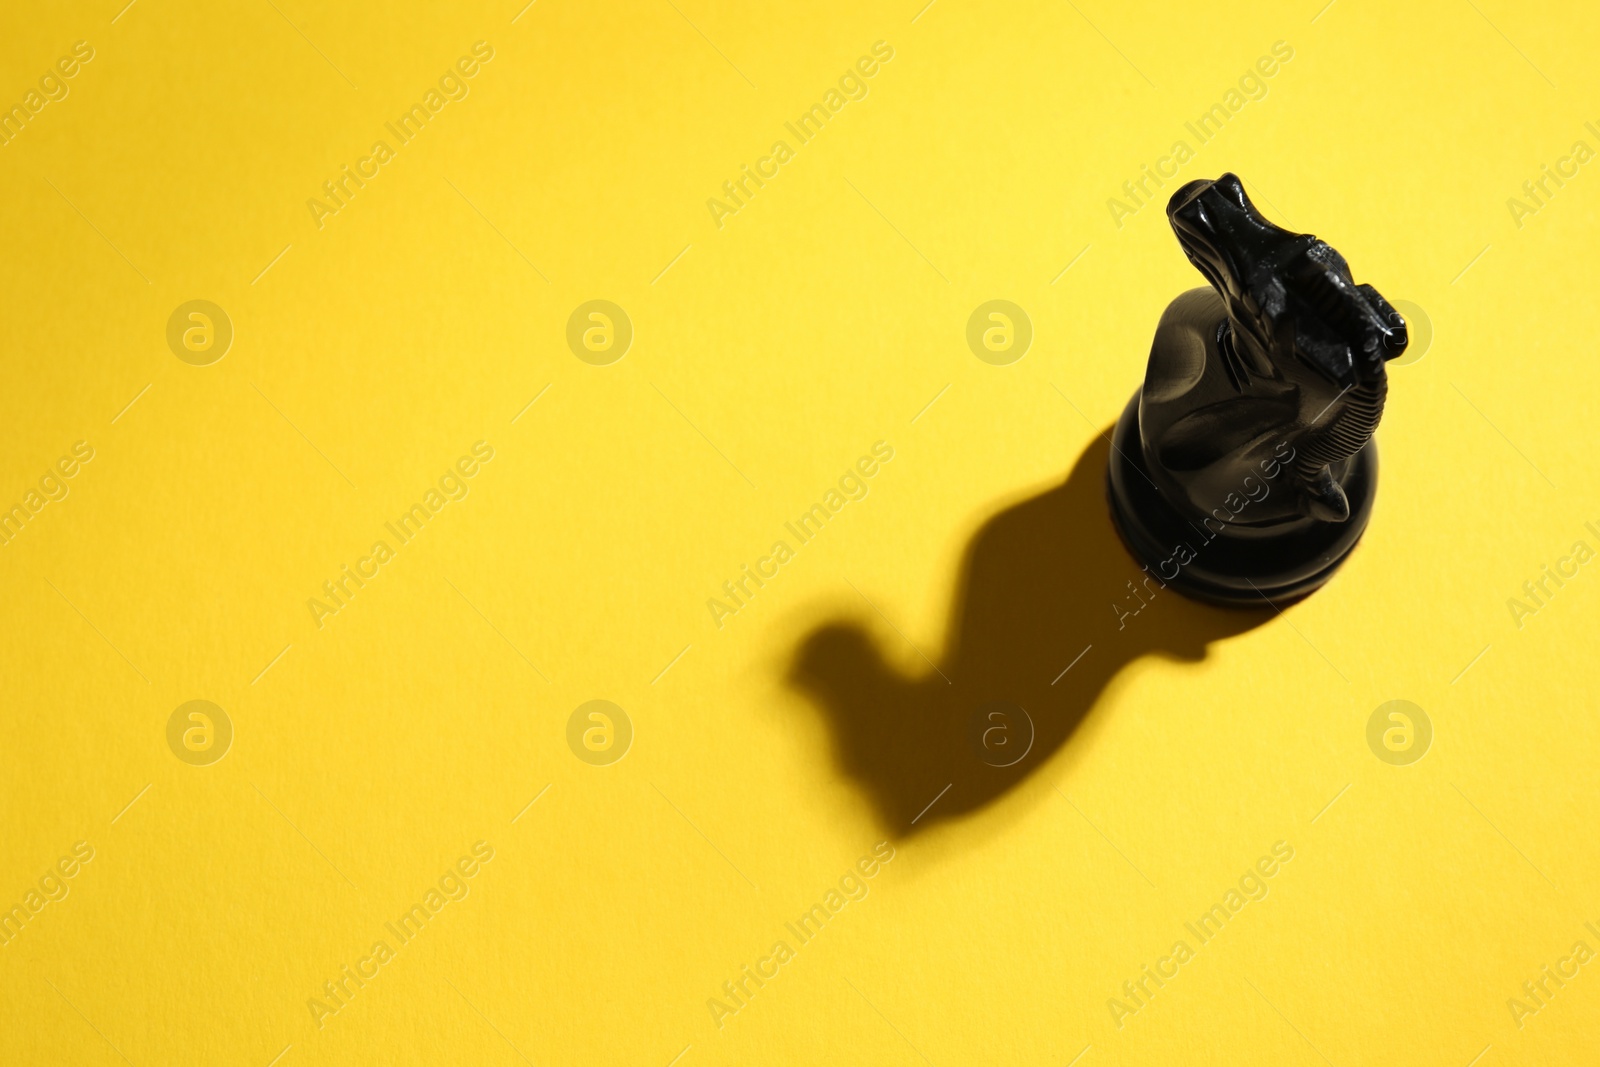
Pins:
x: 1244, y: 469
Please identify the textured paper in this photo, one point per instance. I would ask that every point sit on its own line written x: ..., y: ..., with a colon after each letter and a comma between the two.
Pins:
x: 374, y: 747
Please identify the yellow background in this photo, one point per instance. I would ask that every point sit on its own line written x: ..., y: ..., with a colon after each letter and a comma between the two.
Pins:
x: 368, y: 355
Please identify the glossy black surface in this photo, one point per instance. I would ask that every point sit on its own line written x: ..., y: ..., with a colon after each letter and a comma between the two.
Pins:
x: 1244, y: 468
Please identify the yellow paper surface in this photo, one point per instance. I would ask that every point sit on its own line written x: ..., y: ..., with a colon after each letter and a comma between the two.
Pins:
x: 401, y: 766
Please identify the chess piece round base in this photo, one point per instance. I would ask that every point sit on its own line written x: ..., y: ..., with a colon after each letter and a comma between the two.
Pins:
x: 1229, y: 565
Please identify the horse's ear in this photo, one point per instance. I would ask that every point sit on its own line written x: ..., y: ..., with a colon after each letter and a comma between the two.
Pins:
x: 1343, y: 330
x: 1393, y: 340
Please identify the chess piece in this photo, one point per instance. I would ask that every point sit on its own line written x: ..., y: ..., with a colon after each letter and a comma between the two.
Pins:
x: 1244, y: 468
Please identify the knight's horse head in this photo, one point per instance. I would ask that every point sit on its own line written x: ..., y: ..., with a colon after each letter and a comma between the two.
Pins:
x: 1296, y: 318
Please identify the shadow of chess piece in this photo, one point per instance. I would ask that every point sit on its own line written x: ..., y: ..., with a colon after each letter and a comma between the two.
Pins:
x: 1244, y: 468
x: 1049, y: 608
